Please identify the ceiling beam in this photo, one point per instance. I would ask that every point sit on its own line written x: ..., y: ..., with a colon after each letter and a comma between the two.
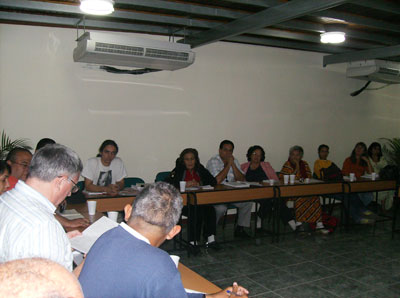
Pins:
x: 267, y: 17
x: 385, y: 6
x: 188, y: 9
x: 378, y: 53
x: 314, y: 38
x: 38, y: 6
x: 285, y: 44
x: 359, y: 20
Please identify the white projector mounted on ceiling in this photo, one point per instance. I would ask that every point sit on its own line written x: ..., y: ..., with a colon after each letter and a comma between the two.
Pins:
x: 375, y: 70
x: 120, y: 50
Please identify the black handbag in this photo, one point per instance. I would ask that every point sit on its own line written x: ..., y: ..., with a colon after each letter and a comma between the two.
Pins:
x: 331, y: 173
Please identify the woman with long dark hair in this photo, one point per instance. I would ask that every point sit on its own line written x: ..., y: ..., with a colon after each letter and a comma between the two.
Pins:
x: 359, y: 164
x: 188, y: 168
x: 378, y: 162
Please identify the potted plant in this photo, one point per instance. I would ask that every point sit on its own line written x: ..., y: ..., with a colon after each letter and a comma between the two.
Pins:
x: 391, y: 151
x: 7, y: 145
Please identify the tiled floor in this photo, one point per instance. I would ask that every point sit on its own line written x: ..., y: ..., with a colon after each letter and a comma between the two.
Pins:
x: 355, y: 263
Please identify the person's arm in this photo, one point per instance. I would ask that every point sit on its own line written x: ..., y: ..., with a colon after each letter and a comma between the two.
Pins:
x: 78, y: 269
x: 236, y: 171
x: 234, y: 291
x: 222, y: 175
x: 286, y: 170
x: 308, y: 170
x: 369, y: 166
x: 111, y: 189
x: 346, y: 167
x: 74, y: 223
x: 317, y: 169
x: 121, y: 184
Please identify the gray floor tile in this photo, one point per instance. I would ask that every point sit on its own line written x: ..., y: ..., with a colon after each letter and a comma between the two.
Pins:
x: 307, y: 290
x: 372, y: 277
x: 274, y: 279
x: 339, y: 264
x: 342, y: 286
x: 309, y: 271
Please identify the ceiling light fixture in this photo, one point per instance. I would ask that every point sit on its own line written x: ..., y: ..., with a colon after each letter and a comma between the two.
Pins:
x: 97, y: 7
x: 333, y: 37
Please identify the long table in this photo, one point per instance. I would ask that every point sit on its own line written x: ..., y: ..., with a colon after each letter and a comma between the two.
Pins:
x: 190, y: 279
x: 225, y: 194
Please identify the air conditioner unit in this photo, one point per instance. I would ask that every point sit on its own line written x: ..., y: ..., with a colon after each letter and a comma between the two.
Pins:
x: 120, y: 50
x: 374, y: 70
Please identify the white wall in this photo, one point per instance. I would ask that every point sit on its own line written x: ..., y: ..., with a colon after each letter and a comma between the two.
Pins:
x: 249, y: 94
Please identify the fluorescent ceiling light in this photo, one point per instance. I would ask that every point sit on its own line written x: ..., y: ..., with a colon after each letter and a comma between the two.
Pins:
x: 98, y: 7
x: 333, y: 37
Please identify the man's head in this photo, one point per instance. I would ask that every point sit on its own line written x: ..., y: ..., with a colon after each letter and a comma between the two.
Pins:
x: 107, y: 151
x: 156, y: 211
x: 19, y: 160
x: 43, y: 142
x: 323, y: 151
x: 58, y: 167
x: 37, y: 278
x: 226, y: 149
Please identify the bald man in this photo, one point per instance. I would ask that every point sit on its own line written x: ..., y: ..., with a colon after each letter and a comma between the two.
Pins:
x: 37, y: 277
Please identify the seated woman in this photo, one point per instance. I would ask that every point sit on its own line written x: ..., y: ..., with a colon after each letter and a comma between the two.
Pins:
x: 378, y: 162
x: 188, y: 168
x: 307, y: 210
x: 257, y: 170
x: 359, y: 164
x: 5, y: 171
x: 106, y: 171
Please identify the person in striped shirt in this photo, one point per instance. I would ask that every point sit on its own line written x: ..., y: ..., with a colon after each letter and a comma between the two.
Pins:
x: 28, y: 227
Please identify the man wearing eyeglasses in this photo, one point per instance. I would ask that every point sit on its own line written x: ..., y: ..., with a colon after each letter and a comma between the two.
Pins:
x: 28, y: 227
x: 19, y: 160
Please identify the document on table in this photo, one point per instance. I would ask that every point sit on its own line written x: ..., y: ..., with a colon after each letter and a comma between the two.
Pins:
x: 71, y: 214
x: 193, y: 291
x: 237, y: 184
x: 94, y: 193
x: 89, y: 236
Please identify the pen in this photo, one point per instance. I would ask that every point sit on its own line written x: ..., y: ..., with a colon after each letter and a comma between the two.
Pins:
x: 231, y: 293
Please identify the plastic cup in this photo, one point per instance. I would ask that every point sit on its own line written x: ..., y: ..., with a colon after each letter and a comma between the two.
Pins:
x: 307, y: 180
x: 182, y: 186
x: 373, y: 175
x: 286, y: 179
x: 292, y: 177
x: 91, y: 207
x: 113, y: 215
x: 352, y: 177
x: 271, y: 182
x: 175, y: 259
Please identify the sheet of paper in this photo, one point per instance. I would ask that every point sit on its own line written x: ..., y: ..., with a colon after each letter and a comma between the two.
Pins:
x: 193, y: 291
x: 207, y: 187
x: 89, y: 236
x: 237, y: 184
x: 92, y: 193
x: 71, y: 214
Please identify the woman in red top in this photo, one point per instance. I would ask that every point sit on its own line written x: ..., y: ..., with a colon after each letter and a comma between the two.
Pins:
x: 359, y: 164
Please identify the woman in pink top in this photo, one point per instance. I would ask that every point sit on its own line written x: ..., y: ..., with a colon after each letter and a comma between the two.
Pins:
x: 257, y: 170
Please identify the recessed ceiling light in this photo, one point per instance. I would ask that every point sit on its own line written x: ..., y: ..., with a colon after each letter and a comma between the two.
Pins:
x: 333, y: 37
x: 97, y: 7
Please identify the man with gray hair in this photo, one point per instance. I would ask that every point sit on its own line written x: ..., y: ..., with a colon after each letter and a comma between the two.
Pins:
x: 27, y: 224
x: 126, y: 260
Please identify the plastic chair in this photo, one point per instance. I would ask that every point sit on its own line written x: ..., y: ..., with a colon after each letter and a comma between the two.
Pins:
x: 161, y: 176
x: 81, y: 185
x: 132, y: 181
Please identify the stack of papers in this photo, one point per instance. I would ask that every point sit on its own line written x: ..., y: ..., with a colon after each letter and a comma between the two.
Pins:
x: 71, y: 214
x: 207, y: 187
x: 89, y: 236
x: 237, y: 184
x: 369, y: 176
x: 94, y: 193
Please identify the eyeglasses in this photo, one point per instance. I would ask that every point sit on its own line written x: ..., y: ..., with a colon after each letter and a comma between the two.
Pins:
x: 75, y: 188
x: 24, y: 165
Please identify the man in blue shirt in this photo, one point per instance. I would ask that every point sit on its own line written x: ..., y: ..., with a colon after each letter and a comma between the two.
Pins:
x: 126, y: 261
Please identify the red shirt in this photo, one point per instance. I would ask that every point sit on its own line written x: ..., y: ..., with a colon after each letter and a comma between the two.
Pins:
x: 356, y: 168
x: 190, y: 177
x: 12, y: 181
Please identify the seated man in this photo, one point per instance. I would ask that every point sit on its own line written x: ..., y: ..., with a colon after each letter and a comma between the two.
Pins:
x: 126, y: 260
x: 27, y: 224
x: 225, y: 167
x: 37, y: 278
x: 105, y: 172
x: 18, y: 159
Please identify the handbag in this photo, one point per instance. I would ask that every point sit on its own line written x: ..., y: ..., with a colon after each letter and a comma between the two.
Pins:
x: 331, y: 173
